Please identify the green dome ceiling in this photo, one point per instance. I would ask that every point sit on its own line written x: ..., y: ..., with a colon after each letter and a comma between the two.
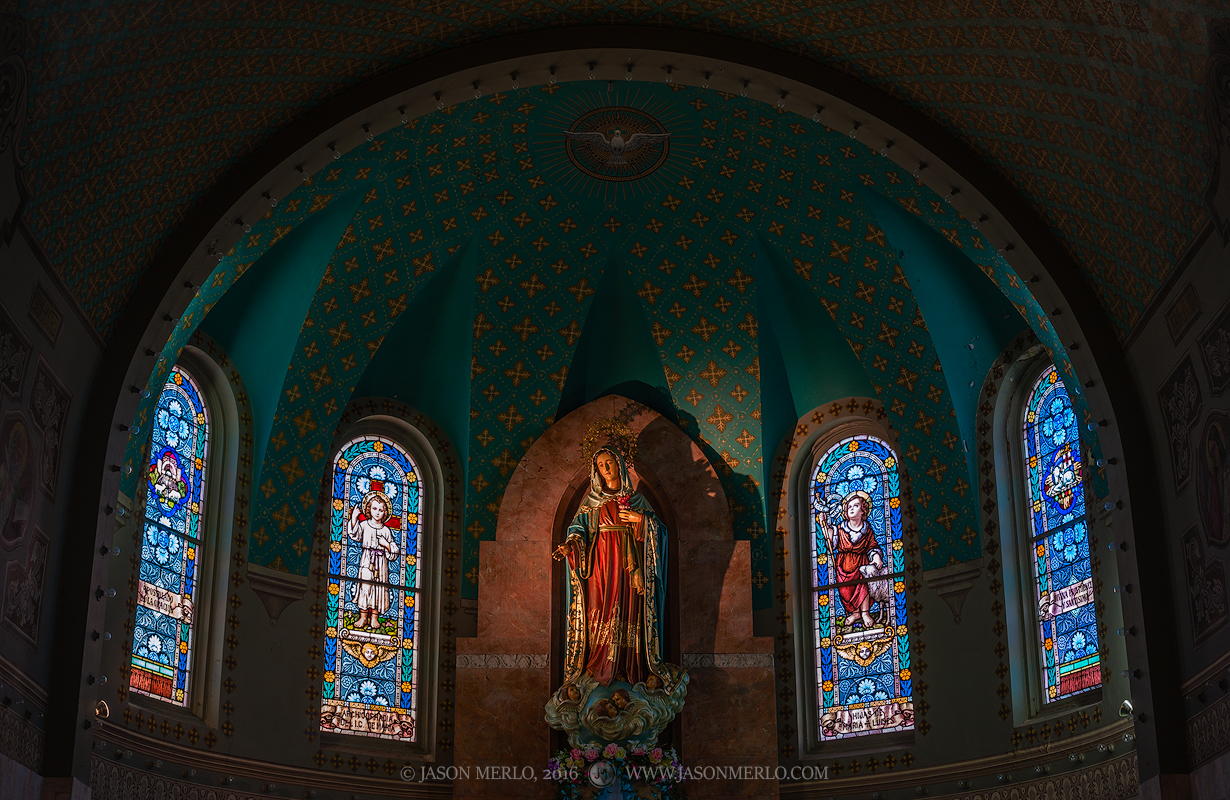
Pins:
x: 1091, y: 110
x: 469, y: 272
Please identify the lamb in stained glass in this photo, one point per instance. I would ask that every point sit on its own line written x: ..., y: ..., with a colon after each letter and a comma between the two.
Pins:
x: 862, y: 642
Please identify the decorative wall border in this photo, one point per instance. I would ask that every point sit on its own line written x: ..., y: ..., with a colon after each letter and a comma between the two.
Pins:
x: 502, y: 661
x: 1053, y: 758
x: 112, y: 779
x: 173, y: 724
x: 20, y: 740
x: 786, y: 454
x: 727, y: 660
x: 450, y: 610
x: 1208, y: 733
x: 992, y: 546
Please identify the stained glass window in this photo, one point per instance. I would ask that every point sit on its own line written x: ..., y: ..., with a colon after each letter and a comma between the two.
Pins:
x: 171, y: 544
x: 1059, y: 542
x: 371, y: 638
x: 858, y: 567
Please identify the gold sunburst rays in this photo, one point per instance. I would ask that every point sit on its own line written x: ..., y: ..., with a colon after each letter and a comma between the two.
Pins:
x: 558, y: 169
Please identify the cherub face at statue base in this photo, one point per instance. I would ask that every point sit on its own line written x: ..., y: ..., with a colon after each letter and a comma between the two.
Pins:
x: 593, y: 714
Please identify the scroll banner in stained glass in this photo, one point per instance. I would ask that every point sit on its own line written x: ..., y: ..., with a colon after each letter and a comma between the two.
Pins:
x: 167, y: 589
x: 371, y: 636
x: 1068, y: 629
x: 858, y: 567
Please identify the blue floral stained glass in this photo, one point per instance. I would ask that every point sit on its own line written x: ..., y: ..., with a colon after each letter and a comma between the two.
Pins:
x: 858, y: 568
x: 167, y: 589
x: 371, y: 638
x: 1060, y: 542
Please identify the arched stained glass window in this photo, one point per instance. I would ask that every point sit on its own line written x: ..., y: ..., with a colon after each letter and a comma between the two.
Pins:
x: 858, y: 567
x: 169, y: 581
x: 1063, y: 580
x: 371, y: 639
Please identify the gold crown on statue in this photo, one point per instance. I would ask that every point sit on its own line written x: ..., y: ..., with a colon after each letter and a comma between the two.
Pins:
x: 609, y: 432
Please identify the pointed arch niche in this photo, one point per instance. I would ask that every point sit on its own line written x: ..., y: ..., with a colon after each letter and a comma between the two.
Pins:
x: 509, y: 670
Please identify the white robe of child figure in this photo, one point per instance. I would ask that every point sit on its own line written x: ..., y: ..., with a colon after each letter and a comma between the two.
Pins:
x: 367, y: 527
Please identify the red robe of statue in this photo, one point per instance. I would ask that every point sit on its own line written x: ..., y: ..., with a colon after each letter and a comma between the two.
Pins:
x: 851, y: 556
x: 614, y: 608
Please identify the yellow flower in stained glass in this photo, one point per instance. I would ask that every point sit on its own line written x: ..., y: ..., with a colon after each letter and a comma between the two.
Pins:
x: 897, y: 544
x: 191, y: 553
x: 412, y: 560
x: 901, y: 630
x: 333, y: 588
x: 331, y: 631
x: 407, y: 644
x: 183, y: 647
x: 1053, y: 377
x: 335, y: 547
x: 338, y: 505
x: 905, y: 674
x: 826, y: 642
x: 412, y: 519
x: 899, y: 586
x: 828, y: 686
x: 200, y: 418
x: 890, y: 462
x: 822, y: 559
x: 1049, y: 644
x: 378, y: 447
x: 411, y: 478
x: 405, y: 686
x: 342, y: 463
x: 894, y: 502
x: 329, y: 676
x: 409, y: 601
x: 1040, y: 550
x: 823, y: 600
x: 178, y: 378
x: 179, y: 693
x: 854, y: 445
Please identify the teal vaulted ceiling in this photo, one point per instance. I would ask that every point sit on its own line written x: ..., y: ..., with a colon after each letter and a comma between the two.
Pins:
x: 754, y: 263
x: 1091, y: 109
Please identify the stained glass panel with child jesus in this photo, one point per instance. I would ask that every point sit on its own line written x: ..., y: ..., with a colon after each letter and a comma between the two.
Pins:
x: 371, y: 635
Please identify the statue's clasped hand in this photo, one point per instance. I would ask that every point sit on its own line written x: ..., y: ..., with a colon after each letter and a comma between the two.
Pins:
x: 628, y: 515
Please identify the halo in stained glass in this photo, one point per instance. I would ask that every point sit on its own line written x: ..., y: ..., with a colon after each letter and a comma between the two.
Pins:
x: 170, y: 546
x: 863, y: 677
x: 371, y: 638
x: 1059, y: 544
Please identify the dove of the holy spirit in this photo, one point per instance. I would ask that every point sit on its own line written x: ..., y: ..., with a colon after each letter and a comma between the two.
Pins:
x: 617, y: 145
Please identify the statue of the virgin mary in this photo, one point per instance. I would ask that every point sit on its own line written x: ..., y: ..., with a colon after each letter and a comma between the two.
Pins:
x: 616, y: 685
